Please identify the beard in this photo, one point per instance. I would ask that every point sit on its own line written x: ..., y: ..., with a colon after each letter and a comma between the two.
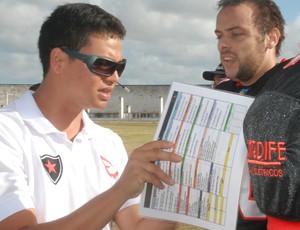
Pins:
x: 249, y: 66
x: 246, y: 71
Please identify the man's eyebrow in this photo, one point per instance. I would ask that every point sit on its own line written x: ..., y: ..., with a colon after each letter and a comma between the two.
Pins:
x: 229, y: 29
x: 217, y: 31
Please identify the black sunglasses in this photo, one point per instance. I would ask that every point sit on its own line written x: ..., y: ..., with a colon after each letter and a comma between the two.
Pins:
x: 99, y: 65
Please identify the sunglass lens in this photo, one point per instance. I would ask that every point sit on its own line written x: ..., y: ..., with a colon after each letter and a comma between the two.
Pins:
x: 121, y: 68
x: 104, y: 67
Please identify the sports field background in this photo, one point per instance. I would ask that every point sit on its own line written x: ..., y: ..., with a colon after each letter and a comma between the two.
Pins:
x: 135, y: 134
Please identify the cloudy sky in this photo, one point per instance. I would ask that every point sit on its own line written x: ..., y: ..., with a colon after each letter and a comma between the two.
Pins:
x: 167, y: 40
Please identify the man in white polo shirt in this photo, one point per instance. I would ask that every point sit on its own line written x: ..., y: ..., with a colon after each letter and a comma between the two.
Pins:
x: 58, y: 169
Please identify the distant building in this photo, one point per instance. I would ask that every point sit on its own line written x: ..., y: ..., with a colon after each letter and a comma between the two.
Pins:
x: 142, y: 102
x: 10, y: 92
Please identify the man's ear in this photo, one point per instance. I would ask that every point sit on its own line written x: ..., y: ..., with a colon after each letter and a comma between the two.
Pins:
x: 273, y: 38
x: 57, y: 57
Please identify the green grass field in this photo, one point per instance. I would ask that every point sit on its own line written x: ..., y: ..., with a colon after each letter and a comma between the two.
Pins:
x: 135, y: 134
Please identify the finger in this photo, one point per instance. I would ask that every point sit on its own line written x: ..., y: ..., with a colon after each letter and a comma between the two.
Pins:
x: 155, y: 155
x: 157, y: 176
x: 161, y: 155
x: 147, y: 151
x: 173, y: 157
x: 151, y: 179
x: 159, y: 144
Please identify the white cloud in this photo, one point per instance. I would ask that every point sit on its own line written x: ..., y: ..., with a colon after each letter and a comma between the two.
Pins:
x: 19, y: 27
x: 170, y: 40
x: 167, y: 40
x: 291, y: 45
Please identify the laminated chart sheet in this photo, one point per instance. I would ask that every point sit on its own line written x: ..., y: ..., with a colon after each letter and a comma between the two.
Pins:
x: 206, y: 127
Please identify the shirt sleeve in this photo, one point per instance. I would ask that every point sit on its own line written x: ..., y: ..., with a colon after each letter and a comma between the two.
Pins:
x: 14, y: 190
x: 272, y: 132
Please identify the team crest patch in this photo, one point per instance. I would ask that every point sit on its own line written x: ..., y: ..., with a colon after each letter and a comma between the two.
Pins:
x: 53, y: 167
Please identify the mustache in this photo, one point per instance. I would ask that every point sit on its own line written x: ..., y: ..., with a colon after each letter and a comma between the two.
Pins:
x: 227, y: 52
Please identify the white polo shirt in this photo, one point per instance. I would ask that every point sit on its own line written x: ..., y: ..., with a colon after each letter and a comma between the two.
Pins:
x: 40, y: 168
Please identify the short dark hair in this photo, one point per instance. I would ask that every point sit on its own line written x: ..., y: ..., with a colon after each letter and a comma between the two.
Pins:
x: 268, y: 16
x: 71, y: 25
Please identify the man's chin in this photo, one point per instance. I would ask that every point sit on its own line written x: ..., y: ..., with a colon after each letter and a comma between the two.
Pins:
x: 233, y: 78
x: 101, y: 105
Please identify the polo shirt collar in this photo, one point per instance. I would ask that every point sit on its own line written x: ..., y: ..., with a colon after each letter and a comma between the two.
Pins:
x: 32, y: 115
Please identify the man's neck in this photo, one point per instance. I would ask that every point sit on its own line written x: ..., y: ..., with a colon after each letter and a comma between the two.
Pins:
x: 62, y: 115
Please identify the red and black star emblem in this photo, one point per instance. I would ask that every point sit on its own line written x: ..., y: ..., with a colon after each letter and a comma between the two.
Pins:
x: 53, y: 166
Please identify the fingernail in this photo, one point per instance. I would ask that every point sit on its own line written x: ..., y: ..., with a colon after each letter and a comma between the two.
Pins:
x: 172, y: 181
x: 178, y: 157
